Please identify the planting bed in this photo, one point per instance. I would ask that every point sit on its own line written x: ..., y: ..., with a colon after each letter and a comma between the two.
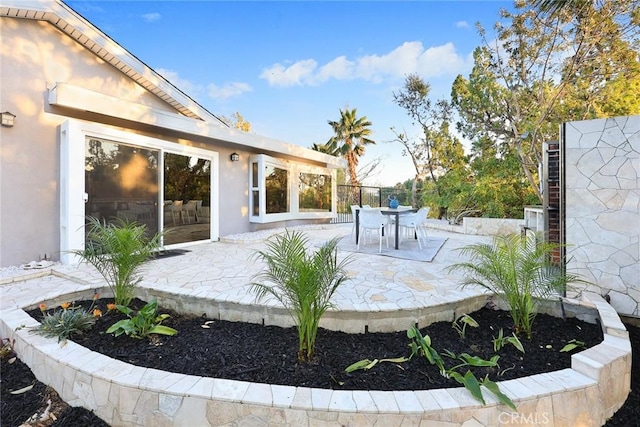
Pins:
x: 267, y: 354
x: 238, y: 342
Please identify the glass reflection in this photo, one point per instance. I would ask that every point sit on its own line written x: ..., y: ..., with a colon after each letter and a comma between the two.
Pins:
x: 187, y: 198
x: 121, y: 181
x: 277, y: 190
x: 314, y: 192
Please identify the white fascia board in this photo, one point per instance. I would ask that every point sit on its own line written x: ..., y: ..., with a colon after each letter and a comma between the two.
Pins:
x: 74, y: 97
x: 69, y: 22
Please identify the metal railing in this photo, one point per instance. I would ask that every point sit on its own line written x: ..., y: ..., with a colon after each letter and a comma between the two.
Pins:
x: 364, y: 195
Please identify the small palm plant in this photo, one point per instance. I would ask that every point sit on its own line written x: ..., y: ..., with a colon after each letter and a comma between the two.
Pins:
x: 302, y: 282
x: 117, y: 250
x: 518, y: 270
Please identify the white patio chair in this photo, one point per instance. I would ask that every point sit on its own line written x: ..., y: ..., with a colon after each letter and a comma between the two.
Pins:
x: 192, y: 206
x: 176, y: 211
x: 400, y: 208
x: 416, y: 223
x: 370, y: 220
x: 353, y: 217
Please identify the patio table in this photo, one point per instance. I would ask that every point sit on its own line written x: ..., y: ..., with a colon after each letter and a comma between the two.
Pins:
x: 385, y: 211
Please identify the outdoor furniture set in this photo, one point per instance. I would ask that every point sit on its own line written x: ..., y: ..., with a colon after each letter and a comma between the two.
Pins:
x: 369, y: 220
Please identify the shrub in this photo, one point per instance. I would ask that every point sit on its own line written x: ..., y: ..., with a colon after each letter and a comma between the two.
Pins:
x: 302, y: 282
x: 117, y: 250
x: 518, y: 270
x: 141, y: 324
x: 64, y: 322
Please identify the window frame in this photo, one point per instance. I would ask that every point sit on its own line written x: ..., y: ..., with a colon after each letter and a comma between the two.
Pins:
x: 73, y: 134
x: 294, y: 169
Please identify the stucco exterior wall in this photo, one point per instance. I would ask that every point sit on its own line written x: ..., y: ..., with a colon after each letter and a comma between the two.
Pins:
x: 602, y: 207
x: 34, y: 56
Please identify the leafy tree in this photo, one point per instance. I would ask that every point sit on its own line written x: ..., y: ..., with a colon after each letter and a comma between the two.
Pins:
x: 501, y: 188
x: 237, y: 121
x: 549, y: 65
x: 436, y: 151
x: 350, y: 139
x: 186, y: 178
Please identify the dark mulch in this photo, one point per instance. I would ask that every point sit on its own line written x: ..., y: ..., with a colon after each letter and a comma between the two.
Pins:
x: 268, y: 354
x: 17, y: 409
x: 629, y: 414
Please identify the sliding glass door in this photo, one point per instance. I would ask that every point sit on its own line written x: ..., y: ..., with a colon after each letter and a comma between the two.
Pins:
x: 187, y: 198
x: 121, y: 181
x: 165, y: 191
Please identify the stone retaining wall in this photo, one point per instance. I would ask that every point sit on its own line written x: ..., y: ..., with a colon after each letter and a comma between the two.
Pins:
x: 124, y: 395
x: 479, y: 226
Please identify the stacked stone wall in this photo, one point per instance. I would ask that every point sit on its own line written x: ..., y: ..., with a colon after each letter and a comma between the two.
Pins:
x: 602, y: 207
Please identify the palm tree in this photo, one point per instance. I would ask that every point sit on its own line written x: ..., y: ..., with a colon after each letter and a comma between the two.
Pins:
x: 326, y: 149
x: 350, y: 139
x: 554, y: 7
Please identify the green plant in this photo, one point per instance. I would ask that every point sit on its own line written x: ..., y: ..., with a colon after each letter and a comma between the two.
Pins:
x: 501, y: 341
x: 465, y: 320
x: 139, y: 325
x: 302, y: 282
x: 117, y: 250
x: 367, y: 364
x: 518, y: 270
x: 64, y: 322
x: 421, y: 345
x: 572, y: 345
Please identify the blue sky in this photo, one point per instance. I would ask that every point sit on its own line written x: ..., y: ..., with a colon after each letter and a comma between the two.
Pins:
x: 290, y: 66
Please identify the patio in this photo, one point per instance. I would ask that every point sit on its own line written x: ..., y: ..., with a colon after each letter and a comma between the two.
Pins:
x: 221, y: 272
x: 386, y: 294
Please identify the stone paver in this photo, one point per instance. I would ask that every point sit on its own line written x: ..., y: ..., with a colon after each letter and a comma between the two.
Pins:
x: 223, y: 271
x: 378, y: 288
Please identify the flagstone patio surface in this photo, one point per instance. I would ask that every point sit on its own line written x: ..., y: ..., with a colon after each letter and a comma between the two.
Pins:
x: 382, y: 293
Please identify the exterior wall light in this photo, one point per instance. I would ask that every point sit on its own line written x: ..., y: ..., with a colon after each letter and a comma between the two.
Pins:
x: 8, y: 119
x: 234, y: 156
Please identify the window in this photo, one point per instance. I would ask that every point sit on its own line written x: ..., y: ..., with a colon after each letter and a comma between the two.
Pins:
x: 314, y: 192
x: 283, y: 190
x: 187, y: 198
x: 277, y: 190
x: 121, y: 181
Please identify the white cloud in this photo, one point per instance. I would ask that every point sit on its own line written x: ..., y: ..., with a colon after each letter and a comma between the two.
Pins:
x: 397, y: 63
x: 462, y: 24
x: 340, y: 69
x: 295, y: 74
x: 184, y: 85
x: 440, y: 61
x: 151, y: 17
x: 225, y: 91
x: 228, y: 90
x: 410, y: 57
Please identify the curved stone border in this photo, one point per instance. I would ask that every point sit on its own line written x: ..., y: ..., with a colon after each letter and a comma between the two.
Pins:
x: 587, y: 394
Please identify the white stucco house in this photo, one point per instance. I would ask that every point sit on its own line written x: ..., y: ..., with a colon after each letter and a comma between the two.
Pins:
x: 91, y: 130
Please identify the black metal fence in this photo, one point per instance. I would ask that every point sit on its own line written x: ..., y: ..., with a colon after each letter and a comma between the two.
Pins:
x: 363, y: 195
